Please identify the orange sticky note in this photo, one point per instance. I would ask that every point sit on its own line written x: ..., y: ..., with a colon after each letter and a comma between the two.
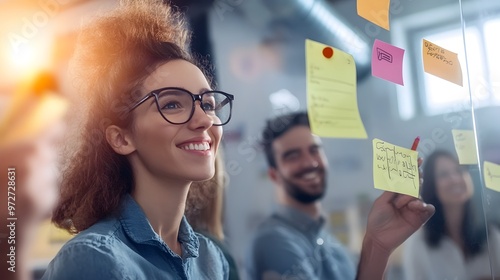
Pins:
x: 441, y: 62
x: 376, y: 11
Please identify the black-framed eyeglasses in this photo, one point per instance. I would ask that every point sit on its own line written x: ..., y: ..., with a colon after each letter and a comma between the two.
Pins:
x: 177, y: 105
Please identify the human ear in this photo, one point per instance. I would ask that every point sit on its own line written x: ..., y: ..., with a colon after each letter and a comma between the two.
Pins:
x: 273, y: 174
x: 119, y: 139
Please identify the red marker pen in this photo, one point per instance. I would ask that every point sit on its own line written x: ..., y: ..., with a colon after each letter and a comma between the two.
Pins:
x: 415, y: 143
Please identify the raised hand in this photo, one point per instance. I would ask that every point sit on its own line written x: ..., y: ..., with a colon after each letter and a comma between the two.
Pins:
x: 393, y: 218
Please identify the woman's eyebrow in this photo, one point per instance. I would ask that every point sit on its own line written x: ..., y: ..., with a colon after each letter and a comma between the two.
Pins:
x: 204, y: 90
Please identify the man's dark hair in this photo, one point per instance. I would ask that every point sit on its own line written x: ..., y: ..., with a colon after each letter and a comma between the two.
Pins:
x: 276, y: 127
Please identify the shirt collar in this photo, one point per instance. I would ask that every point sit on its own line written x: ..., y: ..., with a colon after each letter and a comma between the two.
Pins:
x: 299, y: 219
x: 138, y: 228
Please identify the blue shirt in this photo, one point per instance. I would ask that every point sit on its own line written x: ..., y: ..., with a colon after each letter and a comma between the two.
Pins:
x: 292, y: 245
x: 126, y: 247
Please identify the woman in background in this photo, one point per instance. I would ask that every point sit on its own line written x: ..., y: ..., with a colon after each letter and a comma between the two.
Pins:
x: 204, y: 211
x: 452, y: 244
x: 151, y: 126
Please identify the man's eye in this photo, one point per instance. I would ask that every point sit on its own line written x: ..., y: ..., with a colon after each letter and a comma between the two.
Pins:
x: 292, y: 156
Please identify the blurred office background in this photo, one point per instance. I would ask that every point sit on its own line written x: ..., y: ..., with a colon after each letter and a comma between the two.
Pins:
x: 257, y: 48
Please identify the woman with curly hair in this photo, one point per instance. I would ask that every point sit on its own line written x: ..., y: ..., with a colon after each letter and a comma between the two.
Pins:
x: 151, y: 127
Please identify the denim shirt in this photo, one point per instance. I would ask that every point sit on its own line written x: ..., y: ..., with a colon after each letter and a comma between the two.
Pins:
x: 126, y: 247
x: 292, y: 245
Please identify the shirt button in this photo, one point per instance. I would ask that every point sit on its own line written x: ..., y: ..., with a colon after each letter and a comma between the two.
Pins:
x: 319, y: 241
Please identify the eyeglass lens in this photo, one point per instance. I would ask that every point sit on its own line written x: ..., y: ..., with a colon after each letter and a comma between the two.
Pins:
x: 177, y: 106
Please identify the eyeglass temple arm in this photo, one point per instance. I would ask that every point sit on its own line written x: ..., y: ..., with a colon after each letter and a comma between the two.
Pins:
x: 224, y: 102
x: 140, y: 102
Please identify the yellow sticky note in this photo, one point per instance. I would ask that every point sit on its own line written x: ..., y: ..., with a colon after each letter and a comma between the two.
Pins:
x: 395, y: 168
x: 331, y: 92
x: 441, y: 62
x: 491, y: 174
x: 465, y: 145
x: 376, y: 11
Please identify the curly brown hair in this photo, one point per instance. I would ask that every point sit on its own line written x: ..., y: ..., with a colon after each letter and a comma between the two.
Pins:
x: 115, y: 52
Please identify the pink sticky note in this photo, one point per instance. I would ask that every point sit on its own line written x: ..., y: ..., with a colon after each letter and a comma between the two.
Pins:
x: 387, y: 62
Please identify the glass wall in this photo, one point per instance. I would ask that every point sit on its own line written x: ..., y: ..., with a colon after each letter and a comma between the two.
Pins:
x: 260, y: 55
x: 484, y: 17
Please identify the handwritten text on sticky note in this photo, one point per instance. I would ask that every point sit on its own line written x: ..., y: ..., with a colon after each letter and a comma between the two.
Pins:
x: 376, y: 11
x: 465, y: 145
x: 491, y: 173
x: 331, y: 93
x: 395, y: 168
x: 387, y: 62
x: 441, y: 62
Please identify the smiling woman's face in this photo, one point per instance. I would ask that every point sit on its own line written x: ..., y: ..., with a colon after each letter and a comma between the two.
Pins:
x: 180, y: 152
x: 453, y: 184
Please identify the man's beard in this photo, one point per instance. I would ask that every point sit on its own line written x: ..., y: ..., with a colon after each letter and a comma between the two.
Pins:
x: 295, y: 191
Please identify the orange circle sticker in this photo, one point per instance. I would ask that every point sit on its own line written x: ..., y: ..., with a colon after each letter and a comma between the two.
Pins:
x: 328, y: 52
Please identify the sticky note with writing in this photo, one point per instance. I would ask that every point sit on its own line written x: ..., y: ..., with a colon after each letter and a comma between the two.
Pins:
x: 491, y: 174
x: 395, y: 168
x: 376, y: 11
x: 465, y: 145
x: 441, y: 62
x: 387, y: 62
x: 331, y: 92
